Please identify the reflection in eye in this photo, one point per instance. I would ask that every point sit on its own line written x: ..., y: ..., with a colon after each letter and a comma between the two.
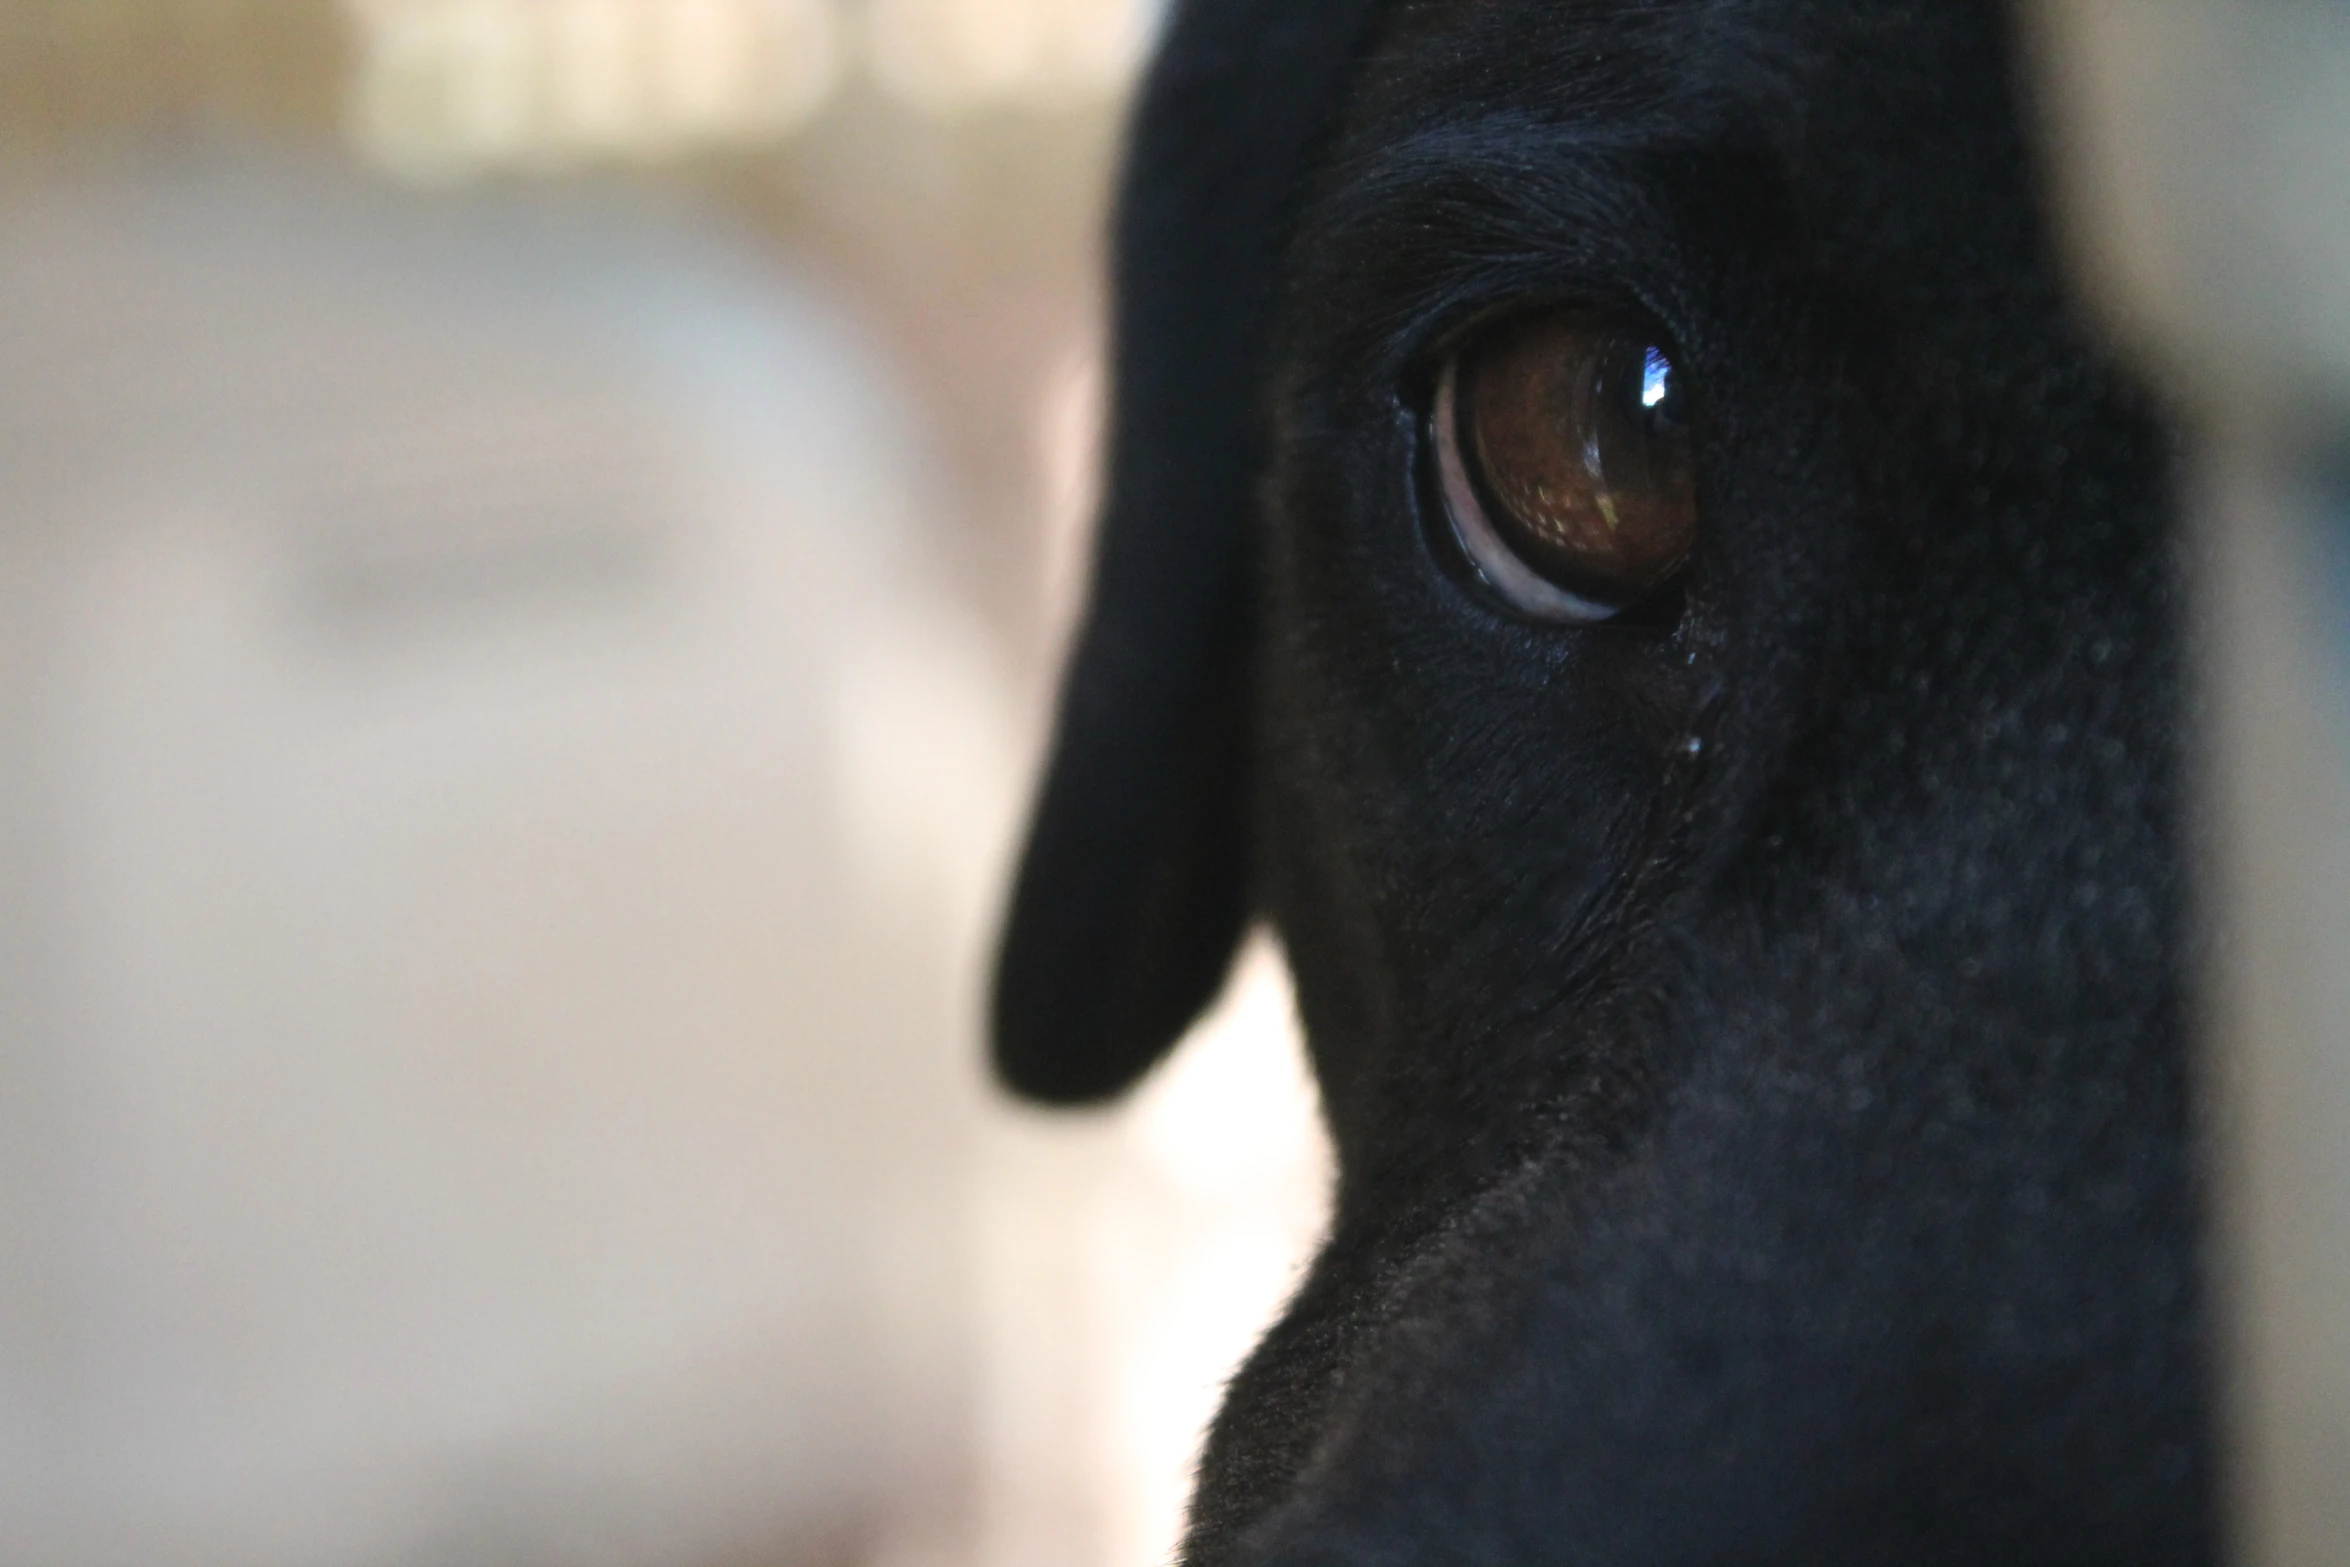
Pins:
x: 1564, y: 454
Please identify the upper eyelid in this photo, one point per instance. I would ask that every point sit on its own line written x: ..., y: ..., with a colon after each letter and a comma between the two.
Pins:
x: 1428, y: 235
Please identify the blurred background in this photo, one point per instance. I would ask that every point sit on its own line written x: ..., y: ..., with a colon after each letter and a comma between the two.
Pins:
x: 537, y: 537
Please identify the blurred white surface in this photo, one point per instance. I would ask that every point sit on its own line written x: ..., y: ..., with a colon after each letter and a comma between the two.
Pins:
x: 465, y: 1069
x: 498, y: 825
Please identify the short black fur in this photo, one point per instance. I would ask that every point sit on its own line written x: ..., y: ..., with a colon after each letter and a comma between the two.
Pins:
x: 1753, y: 1037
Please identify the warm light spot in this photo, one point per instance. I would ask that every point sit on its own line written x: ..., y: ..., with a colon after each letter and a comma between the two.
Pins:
x: 942, y: 56
x: 594, y: 99
x: 444, y: 88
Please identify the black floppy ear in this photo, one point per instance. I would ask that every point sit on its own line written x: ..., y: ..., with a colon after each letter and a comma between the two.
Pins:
x: 1134, y: 887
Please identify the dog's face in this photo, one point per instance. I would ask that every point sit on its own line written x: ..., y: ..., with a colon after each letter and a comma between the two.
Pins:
x: 1621, y: 549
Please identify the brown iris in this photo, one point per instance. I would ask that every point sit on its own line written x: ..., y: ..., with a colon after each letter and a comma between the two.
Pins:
x: 1565, y: 456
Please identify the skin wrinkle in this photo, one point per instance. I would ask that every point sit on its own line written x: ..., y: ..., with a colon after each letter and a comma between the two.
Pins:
x: 1774, y: 1153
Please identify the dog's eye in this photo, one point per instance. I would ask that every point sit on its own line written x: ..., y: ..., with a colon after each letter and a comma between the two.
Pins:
x: 1564, y: 454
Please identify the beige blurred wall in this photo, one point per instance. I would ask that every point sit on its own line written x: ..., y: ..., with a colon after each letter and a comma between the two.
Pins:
x: 469, y: 1050
x: 519, y: 662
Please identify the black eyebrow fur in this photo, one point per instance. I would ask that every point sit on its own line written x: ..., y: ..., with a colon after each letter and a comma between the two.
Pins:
x: 1402, y: 242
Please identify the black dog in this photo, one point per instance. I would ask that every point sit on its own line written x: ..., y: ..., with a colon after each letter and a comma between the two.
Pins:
x: 1622, y: 550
